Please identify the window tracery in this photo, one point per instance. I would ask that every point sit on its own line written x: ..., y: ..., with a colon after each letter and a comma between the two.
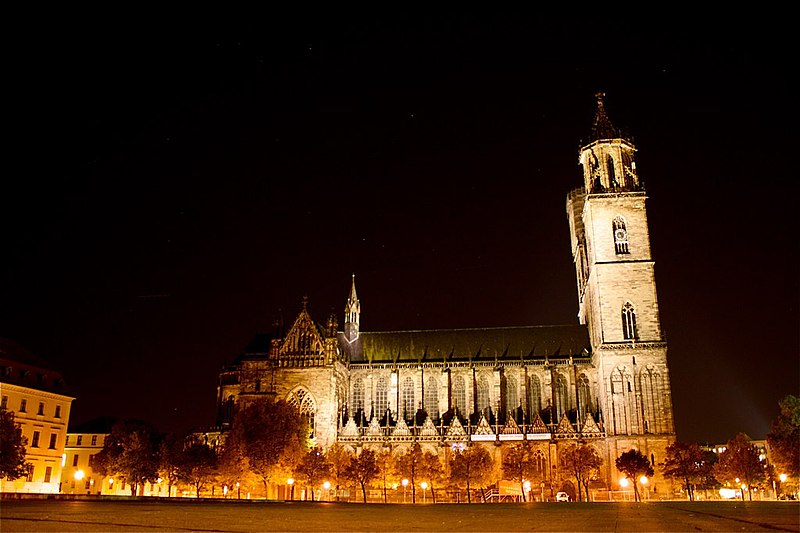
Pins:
x: 629, y: 331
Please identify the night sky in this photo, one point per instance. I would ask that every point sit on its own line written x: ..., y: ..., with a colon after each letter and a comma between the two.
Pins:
x: 175, y: 183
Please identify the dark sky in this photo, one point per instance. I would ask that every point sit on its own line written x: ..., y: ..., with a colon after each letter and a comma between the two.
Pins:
x: 175, y: 182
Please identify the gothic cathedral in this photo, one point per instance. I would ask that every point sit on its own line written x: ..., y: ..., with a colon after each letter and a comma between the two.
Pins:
x: 603, y: 381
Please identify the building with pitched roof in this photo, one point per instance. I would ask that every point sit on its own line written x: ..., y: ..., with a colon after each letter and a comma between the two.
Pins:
x: 603, y: 381
x: 38, y: 396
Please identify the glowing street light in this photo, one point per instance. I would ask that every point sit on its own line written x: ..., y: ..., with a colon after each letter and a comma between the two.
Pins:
x: 623, y: 482
x: 79, y: 475
x: 783, y: 478
x: 643, y: 480
x: 326, y: 486
x: 289, y: 482
x: 424, y: 486
x: 238, y: 491
x: 527, y: 486
x: 405, y: 484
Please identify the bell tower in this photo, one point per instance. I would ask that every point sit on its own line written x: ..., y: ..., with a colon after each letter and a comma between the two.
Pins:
x: 616, y: 285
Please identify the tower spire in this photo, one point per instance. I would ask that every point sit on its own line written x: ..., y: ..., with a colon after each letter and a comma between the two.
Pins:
x: 352, y: 313
x: 602, y: 127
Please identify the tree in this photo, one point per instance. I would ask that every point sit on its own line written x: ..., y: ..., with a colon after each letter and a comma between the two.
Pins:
x: 131, y: 453
x: 740, y: 461
x: 386, y: 469
x: 471, y: 467
x: 518, y: 464
x: 784, y: 437
x: 170, y: 454
x: 583, y: 461
x: 685, y: 461
x: 313, y: 468
x: 408, y: 466
x: 362, y: 470
x: 12, y: 447
x: 232, y: 465
x: 197, y: 465
x: 267, y: 433
x: 430, y: 468
x: 339, y: 460
x: 634, y: 464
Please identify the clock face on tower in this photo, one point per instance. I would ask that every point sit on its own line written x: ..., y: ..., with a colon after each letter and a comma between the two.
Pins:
x: 620, y: 235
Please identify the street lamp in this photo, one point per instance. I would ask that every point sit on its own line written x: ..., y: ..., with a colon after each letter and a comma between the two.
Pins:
x: 527, y: 487
x: 79, y: 474
x: 424, y: 486
x: 783, y: 478
x: 289, y: 482
x: 326, y: 486
x: 238, y: 491
x: 405, y: 484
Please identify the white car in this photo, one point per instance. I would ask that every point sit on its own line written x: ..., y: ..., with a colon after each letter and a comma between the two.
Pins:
x: 562, y: 497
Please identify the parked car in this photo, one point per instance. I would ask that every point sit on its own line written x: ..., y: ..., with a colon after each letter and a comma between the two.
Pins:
x: 562, y: 497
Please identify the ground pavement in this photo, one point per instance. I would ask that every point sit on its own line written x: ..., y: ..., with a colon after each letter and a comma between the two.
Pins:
x: 246, y: 516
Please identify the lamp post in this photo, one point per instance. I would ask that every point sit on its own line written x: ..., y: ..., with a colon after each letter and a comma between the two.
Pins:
x: 424, y: 486
x: 327, y: 487
x: 527, y: 487
x: 289, y: 482
x: 405, y: 484
x: 644, y: 481
x: 238, y: 491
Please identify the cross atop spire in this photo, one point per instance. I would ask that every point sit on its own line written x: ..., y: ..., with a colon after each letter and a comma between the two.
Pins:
x: 602, y: 127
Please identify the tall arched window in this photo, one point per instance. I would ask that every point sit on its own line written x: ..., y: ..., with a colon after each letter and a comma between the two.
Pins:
x: 304, y: 402
x: 381, y: 398
x: 459, y: 395
x: 620, y: 235
x: 483, y: 395
x: 612, y: 176
x: 408, y: 398
x: 358, y: 395
x: 512, y: 399
x: 652, y: 389
x: 539, y: 463
x: 562, y: 396
x: 629, y: 322
x: 432, y: 398
x: 584, y: 395
x: 534, y: 396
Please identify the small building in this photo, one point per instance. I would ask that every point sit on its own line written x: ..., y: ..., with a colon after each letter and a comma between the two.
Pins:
x: 40, y: 400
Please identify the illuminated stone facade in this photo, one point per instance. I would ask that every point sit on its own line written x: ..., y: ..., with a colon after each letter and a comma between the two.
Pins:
x: 603, y: 381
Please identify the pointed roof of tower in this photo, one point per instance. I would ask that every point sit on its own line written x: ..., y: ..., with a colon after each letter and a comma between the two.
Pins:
x: 353, y: 296
x: 602, y: 127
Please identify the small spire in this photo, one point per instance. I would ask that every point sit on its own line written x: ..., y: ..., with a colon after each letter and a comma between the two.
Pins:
x: 353, y: 296
x: 602, y: 127
x: 305, y: 302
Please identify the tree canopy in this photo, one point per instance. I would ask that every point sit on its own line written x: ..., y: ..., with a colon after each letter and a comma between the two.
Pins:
x: 362, y: 470
x: 784, y: 436
x: 634, y: 464
x: 583, y: 462
x: 267, y: 433
x: 740, y: 461
x: 130, y: 452
x: 518, y: 464
x: 688, y: 463
x: 313, y: 469
x: 12, y: 447
x: 471, y: 467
